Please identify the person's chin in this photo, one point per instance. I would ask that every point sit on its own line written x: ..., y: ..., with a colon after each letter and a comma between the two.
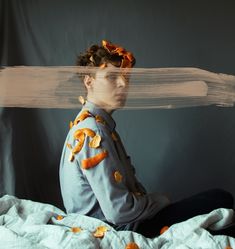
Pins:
x: 120, y: 104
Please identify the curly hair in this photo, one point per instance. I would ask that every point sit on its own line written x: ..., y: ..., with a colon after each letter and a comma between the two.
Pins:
x: 97, y: 55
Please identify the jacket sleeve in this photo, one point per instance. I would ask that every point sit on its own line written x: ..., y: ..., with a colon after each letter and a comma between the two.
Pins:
x: 106, y: 176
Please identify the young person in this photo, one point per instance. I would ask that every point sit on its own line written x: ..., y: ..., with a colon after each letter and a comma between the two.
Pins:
x: 96, y: 175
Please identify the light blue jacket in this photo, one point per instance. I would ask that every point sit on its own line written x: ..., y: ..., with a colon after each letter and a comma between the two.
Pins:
x: 96, y: 191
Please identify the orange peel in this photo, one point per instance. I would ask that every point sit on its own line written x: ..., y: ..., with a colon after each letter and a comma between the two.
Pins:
x: 132, y: 245
x: 99, y: 119
x: 81, y: 100
x: 164, y: 229
x: 127, y: 57
x: 71, y: 157
x: 100, y: 231
x: 70, y: 124
x: 95, y: 142
x: 117, y: 176
x: 85, y: 114
x: 91, y: 162
x: 78, y: 133
x: 114, y: 136
x: 60, y: 217
x: 76, y: 229
x: 69, y: 146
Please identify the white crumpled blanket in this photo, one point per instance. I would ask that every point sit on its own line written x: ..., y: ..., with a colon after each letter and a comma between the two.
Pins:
x: 27, y: 224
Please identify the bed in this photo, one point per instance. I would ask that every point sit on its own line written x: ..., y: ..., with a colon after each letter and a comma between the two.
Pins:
x: 29, y: 224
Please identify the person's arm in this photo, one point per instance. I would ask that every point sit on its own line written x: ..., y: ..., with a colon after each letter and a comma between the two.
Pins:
x: 108, y: 182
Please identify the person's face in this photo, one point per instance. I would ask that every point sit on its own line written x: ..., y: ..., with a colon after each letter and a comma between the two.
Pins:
x: 108, y: 89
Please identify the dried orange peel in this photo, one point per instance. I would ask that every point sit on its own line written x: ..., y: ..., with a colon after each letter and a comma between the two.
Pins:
x: 127, y: 57
x: 79, y: 145
x: 81, y: 100
x: 86, y: 131
x: 70, y: 124
x: 100, y: 231
x: 164, y: 229
x: 117, y: 176
x: 137, y: 193
x: 95, y: 160
x: 76, y: 229
x: 95, y: 142
x: 99, y: 119
x: 114, y: 136
x: 69, y: 146
x: 132, y: 245
x: 60, y: 217
x: 85, y: 114
x: 71, y: 156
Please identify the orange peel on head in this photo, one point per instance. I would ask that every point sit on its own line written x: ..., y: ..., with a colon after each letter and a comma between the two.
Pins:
x: 127, y: 57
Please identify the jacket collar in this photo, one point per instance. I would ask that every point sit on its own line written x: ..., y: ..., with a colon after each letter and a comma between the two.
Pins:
x: 95, y: 110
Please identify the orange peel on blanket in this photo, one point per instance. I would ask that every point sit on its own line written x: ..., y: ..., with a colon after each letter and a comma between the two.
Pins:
x: 76, y: 229
x: 93, y: 161
x: 132, y: 245
x: 60, y: 217
x: 164, y: 229
x: 100, y: 231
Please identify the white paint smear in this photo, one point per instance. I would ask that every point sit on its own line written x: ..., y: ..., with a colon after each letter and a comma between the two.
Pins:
x: 59, y: 87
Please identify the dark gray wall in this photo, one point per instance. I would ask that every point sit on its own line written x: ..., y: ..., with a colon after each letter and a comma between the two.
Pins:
x: 179, y: 151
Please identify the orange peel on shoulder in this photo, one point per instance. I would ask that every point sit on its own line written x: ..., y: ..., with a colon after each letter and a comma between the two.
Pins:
x: 99, y: 119
x: 91, y: 162
x: 95, y: 142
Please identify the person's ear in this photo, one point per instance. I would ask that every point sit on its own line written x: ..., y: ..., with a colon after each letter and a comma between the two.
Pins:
x: 88, y: 81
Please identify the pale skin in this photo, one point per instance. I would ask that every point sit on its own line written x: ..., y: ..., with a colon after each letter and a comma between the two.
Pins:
x: 106, y: 89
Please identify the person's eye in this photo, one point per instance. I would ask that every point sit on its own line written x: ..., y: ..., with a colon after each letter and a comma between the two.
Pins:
x: 112, y: 77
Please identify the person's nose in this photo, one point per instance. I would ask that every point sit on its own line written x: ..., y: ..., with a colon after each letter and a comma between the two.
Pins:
x: 121, y: 81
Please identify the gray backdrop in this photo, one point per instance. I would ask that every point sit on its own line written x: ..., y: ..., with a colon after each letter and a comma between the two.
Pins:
x: 180, y: 151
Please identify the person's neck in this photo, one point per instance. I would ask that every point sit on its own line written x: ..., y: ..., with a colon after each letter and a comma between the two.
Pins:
x: 95, y: 102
